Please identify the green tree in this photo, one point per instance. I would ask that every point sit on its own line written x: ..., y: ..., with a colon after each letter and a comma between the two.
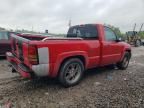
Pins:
x: 141, y: 34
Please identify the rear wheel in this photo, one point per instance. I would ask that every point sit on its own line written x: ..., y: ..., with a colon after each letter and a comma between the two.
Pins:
x: 125, y: 62
x: 71, y: 72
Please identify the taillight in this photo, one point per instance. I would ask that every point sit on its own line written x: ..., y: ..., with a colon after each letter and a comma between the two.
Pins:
x: 33, y: 55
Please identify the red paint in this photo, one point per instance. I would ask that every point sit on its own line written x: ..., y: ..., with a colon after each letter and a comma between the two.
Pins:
x: 24, y: 74
x: 95, y: 52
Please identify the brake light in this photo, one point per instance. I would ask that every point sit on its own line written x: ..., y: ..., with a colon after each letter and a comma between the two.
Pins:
x: 33, y: 55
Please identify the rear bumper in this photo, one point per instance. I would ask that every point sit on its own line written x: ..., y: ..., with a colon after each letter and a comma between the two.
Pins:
x: 23, y: 70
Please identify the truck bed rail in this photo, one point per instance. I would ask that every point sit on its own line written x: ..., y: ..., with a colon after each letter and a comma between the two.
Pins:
x: 60, y: 38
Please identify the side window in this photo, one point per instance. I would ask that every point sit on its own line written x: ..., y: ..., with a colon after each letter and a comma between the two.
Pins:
x: 4, y: 35
x: 109, y: 34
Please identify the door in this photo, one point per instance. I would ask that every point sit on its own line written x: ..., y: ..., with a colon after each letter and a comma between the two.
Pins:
x: 111, y: 50
x: 89, y: 33
x: 4, y: 43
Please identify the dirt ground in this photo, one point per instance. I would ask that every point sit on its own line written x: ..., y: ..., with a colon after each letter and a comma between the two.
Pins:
x: 100, y: 88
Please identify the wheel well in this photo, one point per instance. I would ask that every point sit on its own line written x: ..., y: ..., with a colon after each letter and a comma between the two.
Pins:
x: 129, y: 51
x: 78, y: 56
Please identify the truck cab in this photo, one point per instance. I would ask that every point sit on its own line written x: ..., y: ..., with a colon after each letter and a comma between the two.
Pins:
x: 111, y: 45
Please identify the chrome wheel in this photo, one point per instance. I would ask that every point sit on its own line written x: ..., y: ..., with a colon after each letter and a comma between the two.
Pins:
x: 73, y: 72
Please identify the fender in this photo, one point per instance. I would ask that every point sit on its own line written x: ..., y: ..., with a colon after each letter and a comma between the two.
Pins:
x: 127, y: 48
x: 61, y: 57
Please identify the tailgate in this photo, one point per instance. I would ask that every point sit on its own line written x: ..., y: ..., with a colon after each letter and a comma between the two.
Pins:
x: 19, y: 47
x: 29, y: 55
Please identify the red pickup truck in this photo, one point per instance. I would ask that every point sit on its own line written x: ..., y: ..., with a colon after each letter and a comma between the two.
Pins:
x: 85, y: 46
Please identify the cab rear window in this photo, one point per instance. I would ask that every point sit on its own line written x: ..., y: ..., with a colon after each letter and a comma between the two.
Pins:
x: 83, y: 31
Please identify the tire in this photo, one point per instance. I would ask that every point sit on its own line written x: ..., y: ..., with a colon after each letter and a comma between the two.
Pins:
x: 125, y: 62
x: 137, y: 43
x: 71, y: 72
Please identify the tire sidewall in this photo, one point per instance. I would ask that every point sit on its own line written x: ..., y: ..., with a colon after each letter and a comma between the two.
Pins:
x: 127, y: 55
x: 120, y: 64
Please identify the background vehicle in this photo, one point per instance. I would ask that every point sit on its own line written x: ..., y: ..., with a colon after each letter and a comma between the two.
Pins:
x: 86, y: 46
x: 5, y: 42
x: 133, y: 37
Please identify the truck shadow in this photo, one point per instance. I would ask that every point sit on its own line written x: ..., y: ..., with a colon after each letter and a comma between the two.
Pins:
x: 99, y: 71
x: 51, y: 83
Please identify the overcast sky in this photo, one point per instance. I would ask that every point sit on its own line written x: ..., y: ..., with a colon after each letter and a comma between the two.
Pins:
x: 54, y: 15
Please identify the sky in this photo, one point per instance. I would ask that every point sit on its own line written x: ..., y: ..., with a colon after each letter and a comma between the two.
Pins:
x: 54, y: 15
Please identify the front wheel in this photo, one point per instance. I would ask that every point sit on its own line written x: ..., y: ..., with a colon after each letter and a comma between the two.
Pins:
x: 125, y: 62
x: 71, y: 72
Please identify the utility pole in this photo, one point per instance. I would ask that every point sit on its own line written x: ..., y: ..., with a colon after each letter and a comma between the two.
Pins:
x: 134, y: 27
x: 32, y: 28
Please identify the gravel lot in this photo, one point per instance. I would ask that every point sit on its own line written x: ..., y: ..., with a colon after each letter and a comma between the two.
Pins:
x: 100, y: 88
